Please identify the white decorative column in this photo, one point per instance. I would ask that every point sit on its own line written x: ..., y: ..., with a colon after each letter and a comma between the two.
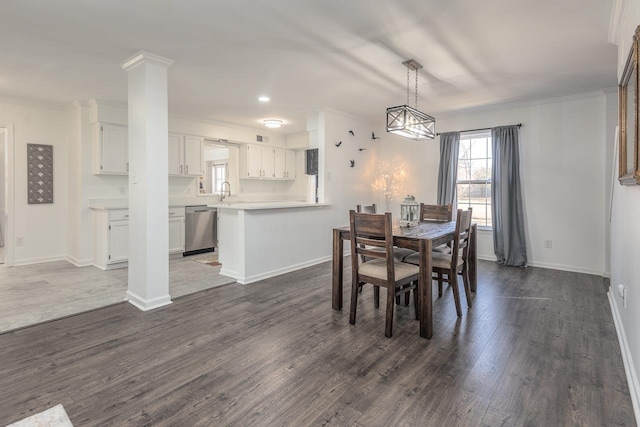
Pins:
x: 148, y: 181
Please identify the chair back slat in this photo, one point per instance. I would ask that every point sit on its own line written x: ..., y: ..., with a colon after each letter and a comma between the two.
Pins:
x: 371, y: 242
x: 436, y: 212
x: 461, y: 240
x: 366, y: 208
x: 369, y: 225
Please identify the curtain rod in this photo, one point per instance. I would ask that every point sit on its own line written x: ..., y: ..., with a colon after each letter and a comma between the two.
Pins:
x: 475, y: 130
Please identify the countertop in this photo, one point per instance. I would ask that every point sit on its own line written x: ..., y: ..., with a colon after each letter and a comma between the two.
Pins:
x: 123, y: 203
x: 248, y: 206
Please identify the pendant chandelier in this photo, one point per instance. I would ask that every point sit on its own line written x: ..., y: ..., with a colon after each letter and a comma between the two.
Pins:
x: 410, y: 122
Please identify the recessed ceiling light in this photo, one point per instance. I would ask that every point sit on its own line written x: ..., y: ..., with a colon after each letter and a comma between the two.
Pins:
x: 264, y: 98
x: 272, y: 123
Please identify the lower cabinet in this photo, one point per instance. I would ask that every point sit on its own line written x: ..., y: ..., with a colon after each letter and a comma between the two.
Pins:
x: 176, y: 233
x: 111, y: 248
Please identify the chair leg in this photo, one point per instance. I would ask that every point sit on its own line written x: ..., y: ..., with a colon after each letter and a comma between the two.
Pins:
x: 453, y: 281
x: 354, y: 300
x: 389, y: 324
x: 406, y: 298
x: 416, y: 304
x: 439, y: 284
x: 376, y: 296
x: 467, y: 286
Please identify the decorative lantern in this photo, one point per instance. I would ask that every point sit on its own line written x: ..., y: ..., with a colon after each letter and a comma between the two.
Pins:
x: 409, y: 211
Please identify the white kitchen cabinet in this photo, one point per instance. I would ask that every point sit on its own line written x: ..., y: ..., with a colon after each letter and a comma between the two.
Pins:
x: 118, y: 242
x: 285, y: 164
x: 176, y: 230
x: 193, y: 155
x: 111, y: 244
x: 111, y: 149
x: 185, y: 155
x: 279, y: 163
x: 268, y: 162
x: 257, y: 162
x: 290, y: 164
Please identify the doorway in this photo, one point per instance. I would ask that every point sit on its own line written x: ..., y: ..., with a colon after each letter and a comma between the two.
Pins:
x: 3, y: 183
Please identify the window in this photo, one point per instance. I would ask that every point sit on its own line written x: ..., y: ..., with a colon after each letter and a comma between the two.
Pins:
x: 473, y: 188
x: 218, y: 175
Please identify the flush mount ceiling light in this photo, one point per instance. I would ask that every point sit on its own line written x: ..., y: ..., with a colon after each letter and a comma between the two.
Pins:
x: 272, y: 123
x: 410, y: 122
x: 264, y: 98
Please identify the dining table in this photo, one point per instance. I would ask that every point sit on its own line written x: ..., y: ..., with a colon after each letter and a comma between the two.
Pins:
x: 422, y: 238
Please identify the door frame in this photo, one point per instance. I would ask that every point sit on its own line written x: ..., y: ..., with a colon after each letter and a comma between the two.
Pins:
x: 9, y: 187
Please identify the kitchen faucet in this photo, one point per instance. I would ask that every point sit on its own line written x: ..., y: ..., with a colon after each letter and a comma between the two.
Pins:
x: 222, y: 190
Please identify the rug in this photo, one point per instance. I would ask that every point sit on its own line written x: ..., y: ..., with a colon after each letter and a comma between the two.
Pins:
x: 209, y: 259
x: 52, y: 417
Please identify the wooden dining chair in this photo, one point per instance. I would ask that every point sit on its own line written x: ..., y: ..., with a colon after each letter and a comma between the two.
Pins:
x: 442, y: 213
x: 454, y: 263
x: 382, y: 270
x: 399, y: 253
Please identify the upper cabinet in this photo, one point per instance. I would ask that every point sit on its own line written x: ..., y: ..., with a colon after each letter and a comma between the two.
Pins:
x: 185, y: 155
x: 290, y: 164
x: 258, y: 162
x: 111, y: 149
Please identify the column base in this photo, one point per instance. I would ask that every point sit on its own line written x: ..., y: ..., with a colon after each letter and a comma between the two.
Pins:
x: 146, y: 305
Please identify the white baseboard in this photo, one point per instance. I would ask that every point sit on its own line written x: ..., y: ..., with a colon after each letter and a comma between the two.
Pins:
x: 627, y: 360
x: 79, y: 262
x: 245, y: 280
x: 39, y: 260
x: 564, y: 267
x: 146, y: 305
x: 552, y: 266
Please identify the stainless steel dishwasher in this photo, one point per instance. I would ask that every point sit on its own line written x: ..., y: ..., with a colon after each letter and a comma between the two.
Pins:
x: 201, y: 229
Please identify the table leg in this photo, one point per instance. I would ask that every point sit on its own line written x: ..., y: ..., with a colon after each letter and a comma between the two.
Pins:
x: 473, y: 258
x: 425, y: 289
x: 336, y: 280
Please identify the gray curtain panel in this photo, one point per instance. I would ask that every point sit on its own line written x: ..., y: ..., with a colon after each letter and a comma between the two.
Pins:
x: 506, y: 195
x: 448, y: 171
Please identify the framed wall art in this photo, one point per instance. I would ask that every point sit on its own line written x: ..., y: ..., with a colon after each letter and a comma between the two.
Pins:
x: 628, y: 118
x: 40, y: 174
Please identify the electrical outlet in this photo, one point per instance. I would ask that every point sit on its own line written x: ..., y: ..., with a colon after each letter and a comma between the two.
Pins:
x: 548, y: 244
x: 622, y: 292
x: 19, y: 241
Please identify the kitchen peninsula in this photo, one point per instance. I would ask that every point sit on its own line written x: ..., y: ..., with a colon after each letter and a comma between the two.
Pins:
x: 259, y: 240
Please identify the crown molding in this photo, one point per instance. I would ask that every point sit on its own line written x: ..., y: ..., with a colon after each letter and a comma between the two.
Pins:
x: 616, y: 20
x: 31, y: 102
x: 143, y: 57
x: 532, y: 102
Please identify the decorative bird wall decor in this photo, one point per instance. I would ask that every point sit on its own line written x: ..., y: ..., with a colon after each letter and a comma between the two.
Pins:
x: 339, y: 144
x: 352, y: 134
x: 353, y: 163
x: 373, y: 136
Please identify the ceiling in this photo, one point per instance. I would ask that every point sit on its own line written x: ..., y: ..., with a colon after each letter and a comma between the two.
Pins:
x: 308, y: 54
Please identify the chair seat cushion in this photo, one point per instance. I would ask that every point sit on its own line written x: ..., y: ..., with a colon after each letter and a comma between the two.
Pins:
x: 378, y: 268
x: 438, y: 260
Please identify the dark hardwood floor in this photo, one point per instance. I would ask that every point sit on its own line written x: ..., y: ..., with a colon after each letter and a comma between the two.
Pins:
x: 538, y: 348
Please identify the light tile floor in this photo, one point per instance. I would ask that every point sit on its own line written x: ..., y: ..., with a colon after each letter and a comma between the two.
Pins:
x: 36, y: 293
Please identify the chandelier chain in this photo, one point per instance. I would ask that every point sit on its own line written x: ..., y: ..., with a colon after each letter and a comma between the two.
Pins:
x: 407, y: 85
x: 416, y: 89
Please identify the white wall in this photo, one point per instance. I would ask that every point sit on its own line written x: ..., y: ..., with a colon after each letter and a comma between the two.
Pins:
x: 43, y: 227
x: 625, y: 242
